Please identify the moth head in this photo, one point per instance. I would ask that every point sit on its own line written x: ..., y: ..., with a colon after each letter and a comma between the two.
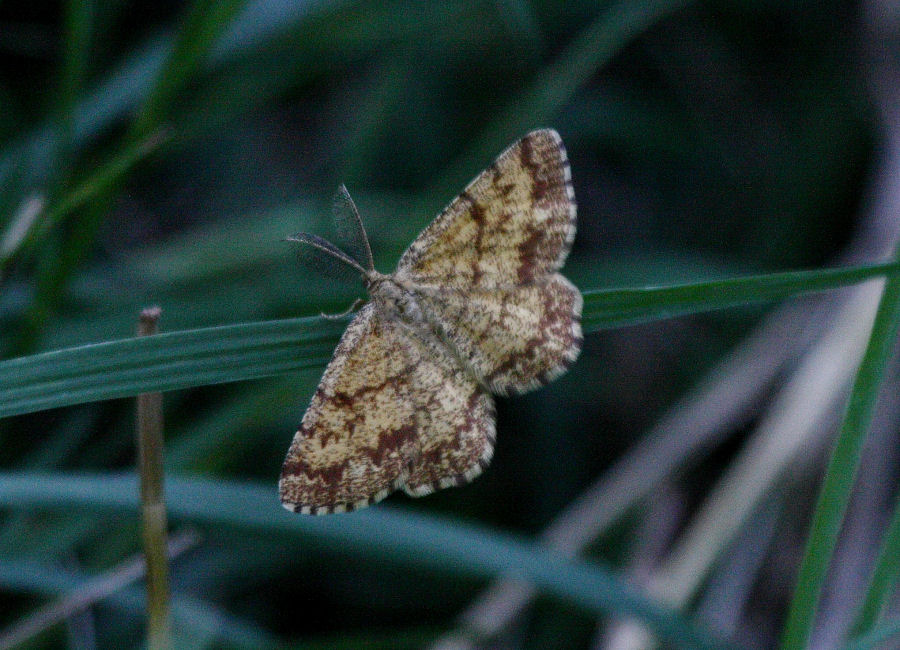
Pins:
x: 393, y: 299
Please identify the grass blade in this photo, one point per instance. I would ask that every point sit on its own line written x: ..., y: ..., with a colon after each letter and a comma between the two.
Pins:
x: 215, y: 355
x: 616, y: 307
x: 403, y: 537
x: 87, y: 594
x: 49, y: 581
x: 105, y: 177
x: 841, y: 472
x: 875, y: 639
x: 884, y: 577
x: 205, y: 22
x: 164, y: 362
x: 593, y: 48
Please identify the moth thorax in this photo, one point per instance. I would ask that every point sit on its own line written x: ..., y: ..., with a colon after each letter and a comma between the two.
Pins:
x: 394, y: 300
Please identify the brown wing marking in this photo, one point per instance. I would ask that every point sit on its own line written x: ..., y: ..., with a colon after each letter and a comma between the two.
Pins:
x: 512, y: 340
x: 514, y: 223
x: 457, y: 420
x: 360, y: 432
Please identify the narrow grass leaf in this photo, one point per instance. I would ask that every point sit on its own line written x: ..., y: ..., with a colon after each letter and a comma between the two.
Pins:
x: 877, y: 638
x: 404, y: 537
x: 215, y: 355
x: 78, y: 23
x: 885, y: 577
x: 191, y: 613
x: 103, y: 178
x: 841, y: 472
x: 205, y: 22
x: 164, y: 362
x: 593, y: 48
x: 617, y: 307
x: 120, y: 91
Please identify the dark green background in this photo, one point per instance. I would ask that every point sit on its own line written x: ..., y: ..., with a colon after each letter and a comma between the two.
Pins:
x: 722, y: 138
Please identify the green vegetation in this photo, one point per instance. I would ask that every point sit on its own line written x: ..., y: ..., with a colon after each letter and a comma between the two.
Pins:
x: 716, y: 148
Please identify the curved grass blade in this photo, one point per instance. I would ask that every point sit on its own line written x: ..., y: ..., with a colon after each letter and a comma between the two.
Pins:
x: 78, y: 21
x: 215, y: 355
x: 875, y: 639
x: 884, y: 577
x: 94, y: 185
x: 91, y: 591
x: 404, y: 537
x: 841, y: 472
x: 130, y: 84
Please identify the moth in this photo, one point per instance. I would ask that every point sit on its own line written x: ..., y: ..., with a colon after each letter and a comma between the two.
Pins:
x: 476, y: 307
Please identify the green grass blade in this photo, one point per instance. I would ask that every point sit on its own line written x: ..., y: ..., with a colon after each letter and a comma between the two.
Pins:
x: 875, y: 640
x: 884, y: 577
x: 99, y: 181
x: 78, y: 27
x: 841, y: 472
x: 593, y: 48
x: 78, y: 21
x: 164, y: 362
x: 105, y: 177
x: 616, y: 307
x: 49, y: 581
x: 214, y: 355
x: 205, y: 22
x: 128, y: 85
x: 403, y: 537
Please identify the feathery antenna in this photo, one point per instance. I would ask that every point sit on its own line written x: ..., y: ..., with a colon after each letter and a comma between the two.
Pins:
x: 327, y: 247
x: 350, y: 226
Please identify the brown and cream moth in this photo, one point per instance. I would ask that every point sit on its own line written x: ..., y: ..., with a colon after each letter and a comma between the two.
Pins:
x: 475, y: 307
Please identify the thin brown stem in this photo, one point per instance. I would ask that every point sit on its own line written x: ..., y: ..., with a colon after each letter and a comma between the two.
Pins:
x: 92, y: 591
x: 153, y: 508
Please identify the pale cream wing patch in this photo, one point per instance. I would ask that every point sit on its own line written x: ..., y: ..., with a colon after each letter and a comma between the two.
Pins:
x: 456, y: 417
x: 512, y: 340
x: 360, y: 432
x: 394, y: 410
x: 511, y: 225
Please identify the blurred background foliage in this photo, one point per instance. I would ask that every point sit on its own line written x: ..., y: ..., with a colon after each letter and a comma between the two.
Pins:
x: 168, y: 148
